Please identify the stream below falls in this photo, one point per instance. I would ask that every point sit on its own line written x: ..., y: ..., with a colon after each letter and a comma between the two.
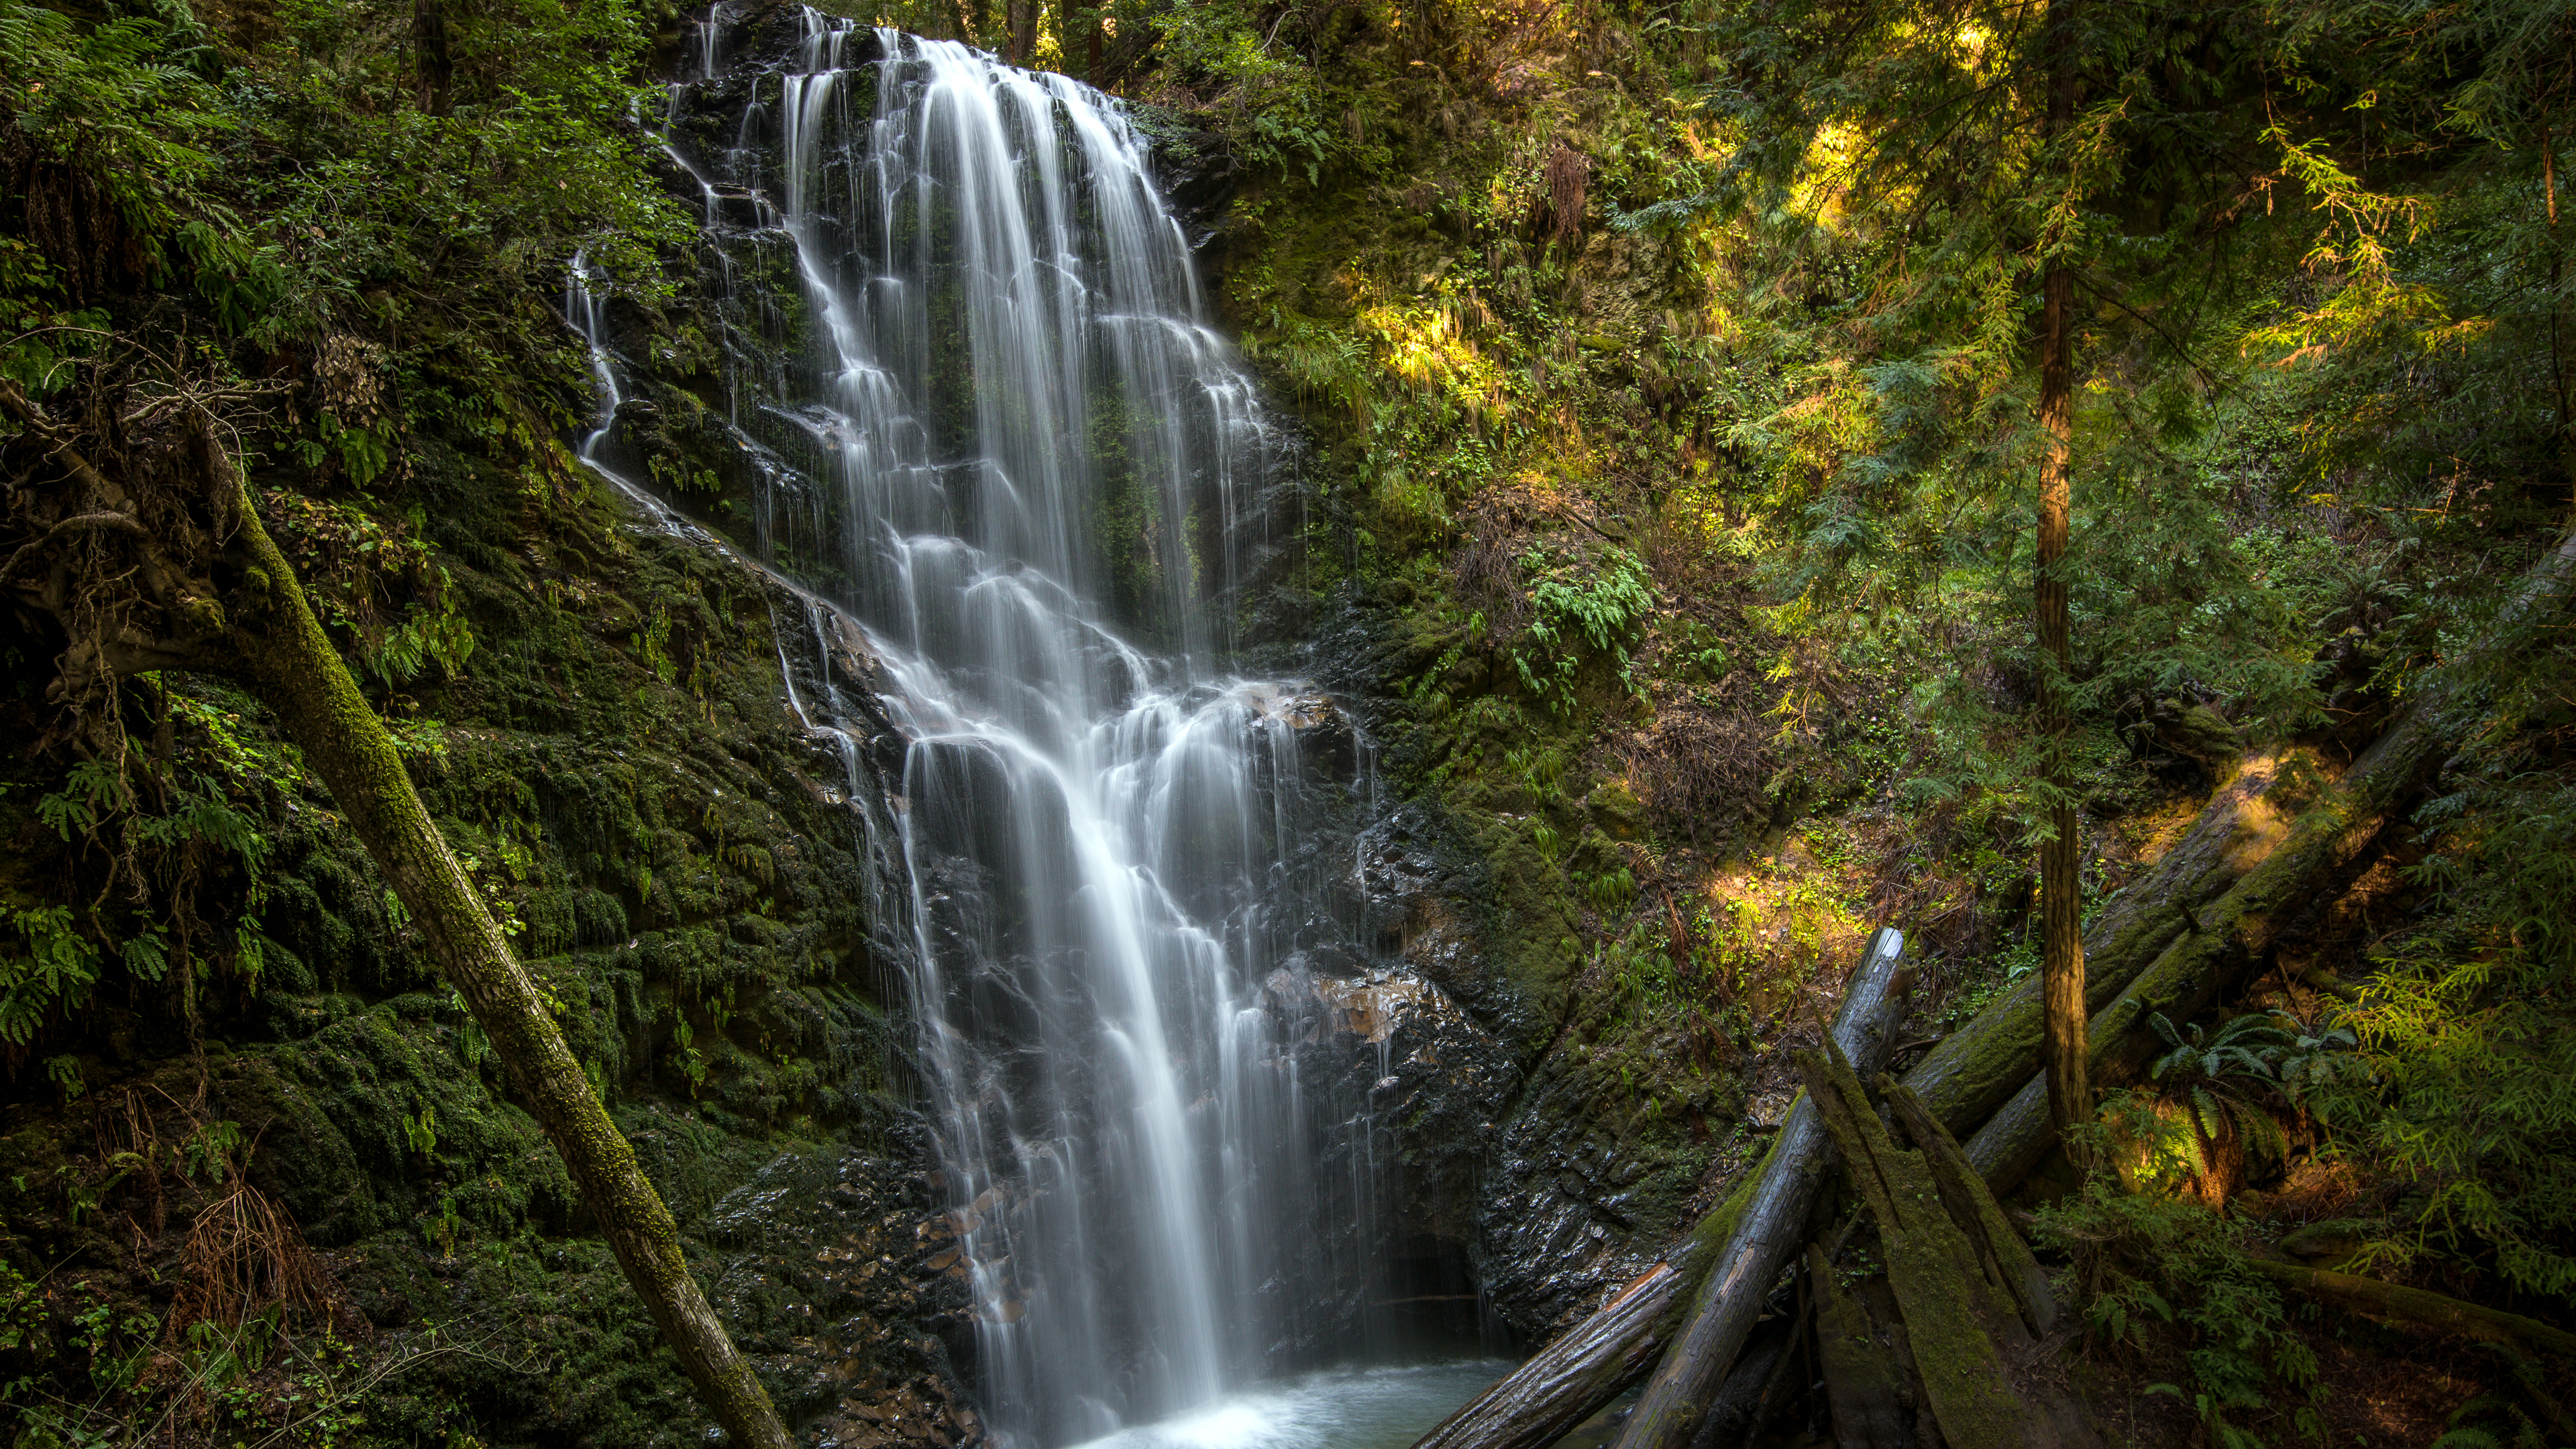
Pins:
x: 1026, y: 491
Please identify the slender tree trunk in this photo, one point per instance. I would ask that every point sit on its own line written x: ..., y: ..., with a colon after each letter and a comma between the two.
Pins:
x: 289, y: 663
x: 1024, y: 30
x: 2070, y: 1101
x: 433, y: 65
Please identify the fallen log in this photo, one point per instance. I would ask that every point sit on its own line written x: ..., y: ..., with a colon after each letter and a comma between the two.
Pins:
x: 2235, y: 934
x: 1870, y: 1386
x: 1758, y: 1229
x: 1977, y: 1068
x: 1568, y: 1381
x: 1978, y: 1215
x: 1970, y: 1344
x: 1767, y: 1235
x: 2375, y: 1298
x: 2229, y: 941
x: 1751, y: 1388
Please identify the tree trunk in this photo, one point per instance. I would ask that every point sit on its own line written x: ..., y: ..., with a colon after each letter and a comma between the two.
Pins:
x: 2060, y: 883
x: 1870, y: 1388
x: 289, y: 663
x: 1568, y: 1381
x: 1774, y: 1222
x: 1024, y: 30
x: 2007, y: 1259
x: 433, y: 64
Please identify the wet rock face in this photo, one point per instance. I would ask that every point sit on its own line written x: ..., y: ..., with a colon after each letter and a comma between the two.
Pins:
x: 844, y: 1284
x: 1416, y: 1089
x: 1561, y: 1221
x: 1500, y: 1156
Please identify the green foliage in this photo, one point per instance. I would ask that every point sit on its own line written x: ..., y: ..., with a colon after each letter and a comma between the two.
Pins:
x: 44, y: 338
x: 121, y: 100
x: 1277, y: 112
x: 2470, y: 1031
x: 2146, y: 1265
x: 1586, y: 604
x: 54, y: 969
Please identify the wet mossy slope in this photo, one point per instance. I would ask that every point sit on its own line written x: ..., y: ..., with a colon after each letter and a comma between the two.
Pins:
x: 617, y: 761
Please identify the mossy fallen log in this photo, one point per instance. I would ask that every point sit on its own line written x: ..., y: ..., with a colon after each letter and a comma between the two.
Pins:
x: 1870, y: 1388
x: 291, y: 666
x: 1977, y: 1068
x: 2375, y: 1298
x: 1972, y: 1348
x: 1568, y: 1381
x: 1766, y: 1237
x: 1753, y: 1235
x: 2231, y: 939
x: 1978, y: 1215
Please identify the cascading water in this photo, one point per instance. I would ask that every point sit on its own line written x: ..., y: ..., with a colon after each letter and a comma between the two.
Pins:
x: 993, y: 426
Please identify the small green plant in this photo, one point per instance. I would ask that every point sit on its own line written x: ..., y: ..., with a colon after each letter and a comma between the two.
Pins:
x: 210, y: 1152
x: 55, y: 969
x: 652, y: 645
x: 2220, y: 1079
x: 2148, y: 1264
x: 1596, y: 603
x: 421, y: 1131
x: 442, y: 1229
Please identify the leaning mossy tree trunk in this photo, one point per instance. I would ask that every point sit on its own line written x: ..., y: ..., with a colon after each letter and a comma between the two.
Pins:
x: 159, y: 560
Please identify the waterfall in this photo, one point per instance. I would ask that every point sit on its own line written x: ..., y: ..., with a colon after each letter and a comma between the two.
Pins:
x: 995, y: 433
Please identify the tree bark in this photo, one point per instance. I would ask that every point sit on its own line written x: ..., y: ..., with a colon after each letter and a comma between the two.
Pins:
x: 1745, y: 1400
x: 2060, y: 859
x: 1024, y: 30
x: 433, y: 64
x: 286, y: 659
x: 1869, y: 1384
x: 2007, y: 1259
x: 1774, y: 1222
x: 1568, y: 1381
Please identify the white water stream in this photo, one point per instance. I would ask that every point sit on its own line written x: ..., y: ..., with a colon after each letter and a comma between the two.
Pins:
x: 997, y: 429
